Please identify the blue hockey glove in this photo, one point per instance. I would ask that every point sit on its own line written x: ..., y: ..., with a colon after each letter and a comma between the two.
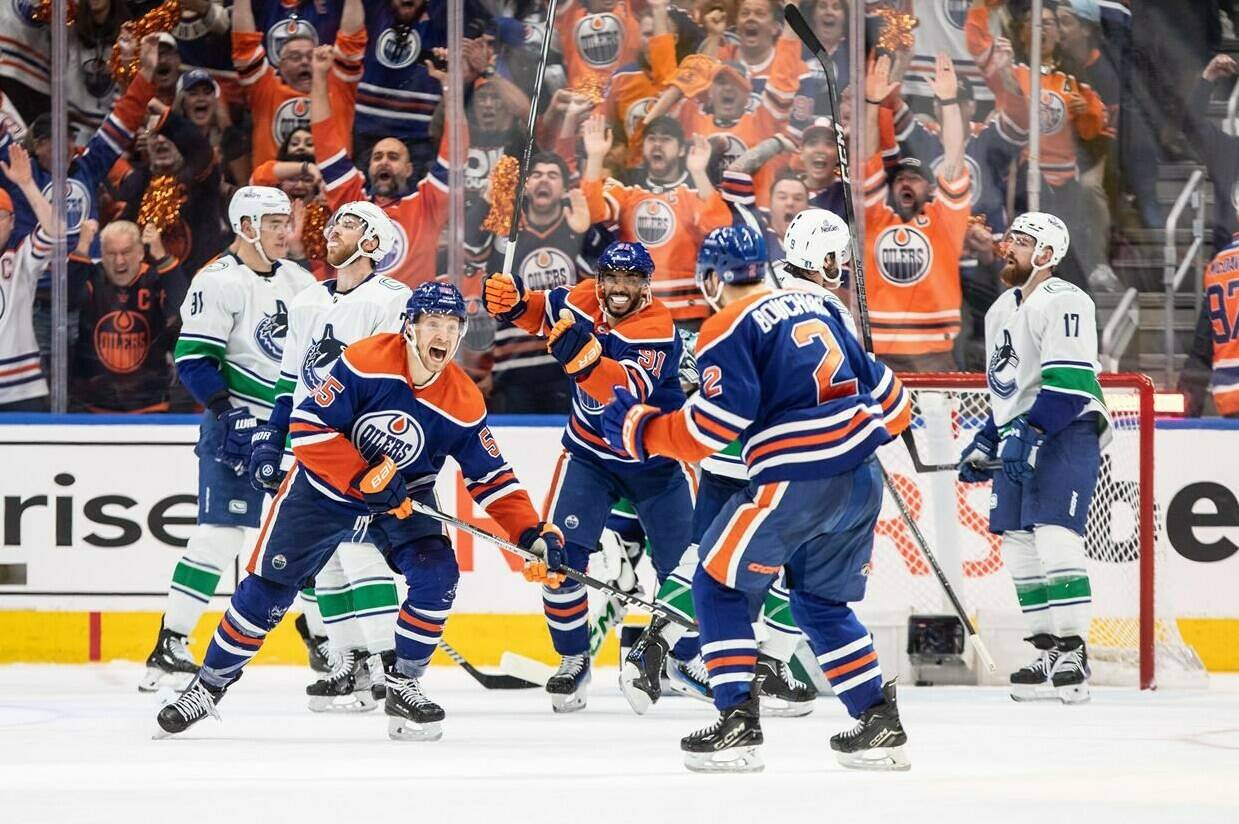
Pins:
x: 972, y: 469
x: 383, y: 489
x: 623, y: 423
x: 266, y: 452
x: 1018, y: 449
x: 234, y: 448
x: 547, y: 542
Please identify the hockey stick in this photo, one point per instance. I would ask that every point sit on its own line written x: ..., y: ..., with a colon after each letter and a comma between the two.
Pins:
x: 569, y: 572
x: 801, y: 26
x: 920, y: 466
x: 491, y: 682
x: 509, y: 254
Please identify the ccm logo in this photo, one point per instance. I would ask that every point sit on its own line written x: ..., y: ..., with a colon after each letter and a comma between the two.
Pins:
x: 762, y: 569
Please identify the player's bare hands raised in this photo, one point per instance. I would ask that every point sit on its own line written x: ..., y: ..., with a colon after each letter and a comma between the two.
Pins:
x: 1222, y: 65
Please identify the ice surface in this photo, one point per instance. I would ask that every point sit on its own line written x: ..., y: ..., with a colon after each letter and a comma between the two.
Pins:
x: 75, y: 746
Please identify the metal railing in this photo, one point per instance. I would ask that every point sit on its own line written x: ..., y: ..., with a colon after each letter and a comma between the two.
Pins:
x: 1120, y: 329
x: 1174, y: 268
x: 1232, y: 106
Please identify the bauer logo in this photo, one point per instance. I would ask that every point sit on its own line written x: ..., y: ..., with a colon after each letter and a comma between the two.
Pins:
x: 270, y: 332
x: 598, y: 39
x: 904, y: 255
x: 292, y: 114
x: 655, y: 222
x: 398, y: 49
x: 395, y: 434
x: 547, y: 268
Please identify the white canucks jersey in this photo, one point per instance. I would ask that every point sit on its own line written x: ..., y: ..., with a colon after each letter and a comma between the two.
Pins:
x: 322, y: 322
x: 21, y: 375
x: 239, y: 319
x: 1045, y: 341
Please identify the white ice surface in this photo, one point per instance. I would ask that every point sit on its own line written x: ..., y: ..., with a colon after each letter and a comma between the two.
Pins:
x: 75, y: 746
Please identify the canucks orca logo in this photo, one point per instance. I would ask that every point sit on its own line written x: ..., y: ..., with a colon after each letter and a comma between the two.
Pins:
x: 394, y: 433
x: 1002, y: 366
x: 270, y: 332
x: 320, y: 356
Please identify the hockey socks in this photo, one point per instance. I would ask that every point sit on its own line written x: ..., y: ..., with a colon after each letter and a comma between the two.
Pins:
x: 1069, y: 592
x: 211, y: 550
x: 728, y: 646
x: 418, y: 631
x: 782, y: 634
x: 357, y: 599
x: 256, y: 608
x: 844, y: 651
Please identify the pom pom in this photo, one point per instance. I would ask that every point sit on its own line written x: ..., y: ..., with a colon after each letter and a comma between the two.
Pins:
x: 162, y: 18
x: 502, y: 195
x: 42, y: 12
x: 897, y: 29
x: 590, y: 86
x: 313, y: 241
x: 162, y: 202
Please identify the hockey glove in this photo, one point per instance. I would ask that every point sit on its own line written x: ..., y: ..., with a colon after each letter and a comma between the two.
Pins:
x: 972, y: 464
x: 504, y: 296
x: 547, y: 542
x: 1018, y: 449
x: 266, y: 452
x: 382, y: 487
x: 234, y: 448
x: 623, y: 423
x: 573, y: 344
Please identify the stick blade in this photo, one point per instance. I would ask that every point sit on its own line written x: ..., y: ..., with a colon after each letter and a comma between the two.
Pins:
x: 802, y: 28
x: 526, y: 669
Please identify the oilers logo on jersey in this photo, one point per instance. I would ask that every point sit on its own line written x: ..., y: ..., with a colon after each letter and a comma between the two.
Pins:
x: 397, y: 49
x: 319, y: 357
x: 904, y: 255
x: 291, y: 115
x: 1053, y: 112
x: 598, y: 39
x: 396, y: 255
x: 1003, y: 366
x: 271, y: 331
x: 547, y: 268
x: 392, y: 433
x: 655, y: 223
x: 77, y: 203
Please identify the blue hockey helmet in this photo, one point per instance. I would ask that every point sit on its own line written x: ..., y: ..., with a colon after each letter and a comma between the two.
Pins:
x: 626, y: 257
x: 735, y: 254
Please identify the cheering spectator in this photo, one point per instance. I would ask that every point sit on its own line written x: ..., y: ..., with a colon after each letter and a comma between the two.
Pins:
x: 829, y: 19
x: 913, y: 247
x: 128, y: 322
x: 22, y: 385
x: 167, y: 68
x: 665, y: 213
x: 1219, y: 150
x: 789, y: 196
x: 597, y: 37
x: 278, y: 103
x: 1214, y: 356
x: 819, y: 157
x: 758, y: 24
x: 203, y: 36
x: 198, y: 100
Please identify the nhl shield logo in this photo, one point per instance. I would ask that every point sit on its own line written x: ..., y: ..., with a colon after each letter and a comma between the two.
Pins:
x: 270, y: 332
x: 547, y: 268
x: 319, y: 357
x: 654, y: 222
x: 903, y: 255
x: 291, y: 115
x: 398, y: 50
x: 285, y: 30
x: 1003, y: 364
x: 598, y: 38
x: 393, y: 433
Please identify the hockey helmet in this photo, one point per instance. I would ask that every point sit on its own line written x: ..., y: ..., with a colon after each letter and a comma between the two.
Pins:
x: 1047, y: 231
x: 811, y: 236
x: 435, y: 297
x: 626, y: 257
x: 735, y: 255
x: 377, y: 226
x: 256, y: 202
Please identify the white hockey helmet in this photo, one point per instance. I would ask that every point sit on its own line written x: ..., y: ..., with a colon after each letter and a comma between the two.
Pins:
x: 255, y: 203
x: 1047, y: 231
x: 811, y: 236
x: 378, y: 226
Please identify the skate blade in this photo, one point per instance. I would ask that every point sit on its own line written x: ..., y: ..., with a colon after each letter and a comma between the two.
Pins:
x: 1074, y: 694
x: 782, y: 708
x: 570, y: 702
x: 155, y: 679
x: 637, y: 698
x: 681, y: 686
x: 878, y: 759
x: 355, y: 702
x: 1033, y: 692
x: 402, y: 729
x: 733, y: 760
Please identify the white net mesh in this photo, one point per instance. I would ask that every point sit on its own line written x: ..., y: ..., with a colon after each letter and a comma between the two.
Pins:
x: 953, y: 516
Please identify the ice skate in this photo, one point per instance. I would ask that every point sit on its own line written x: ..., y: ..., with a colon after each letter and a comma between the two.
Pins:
x: 1069, y: 676
x: 876, y: 742
x: 782, y: 693
x: 642, y: 671
x: 729, y: 744
x: 1032, y: 682
x: 411, y: 716
x: 169, y: 664
x: 346, y: 688
x: 382, y: 665
x: 315, y: 645
x: 195, y: 703
x: 567, y: 685
x: 690, y: 678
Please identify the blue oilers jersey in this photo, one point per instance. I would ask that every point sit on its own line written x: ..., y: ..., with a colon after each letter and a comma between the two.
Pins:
x: 397, y: 96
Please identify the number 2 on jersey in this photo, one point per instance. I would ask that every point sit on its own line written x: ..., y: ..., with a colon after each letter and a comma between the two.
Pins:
x: 827, y: 372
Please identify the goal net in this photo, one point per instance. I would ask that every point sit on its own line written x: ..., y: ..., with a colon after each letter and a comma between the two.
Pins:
x: 1134, y: 638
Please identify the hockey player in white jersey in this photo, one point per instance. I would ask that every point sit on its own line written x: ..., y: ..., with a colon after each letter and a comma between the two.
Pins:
x: 1047, y: 425
x: 355, y: 592
x: 234, y: 323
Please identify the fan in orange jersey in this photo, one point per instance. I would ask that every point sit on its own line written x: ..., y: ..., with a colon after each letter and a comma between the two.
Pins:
x: 1214, y: 357
x: 598, y: 36
x: 418, y: 215
x: 913, y: 248
x: 757, y: 30
x: 634, y: 88
x: 280, y: 103
x: 670, y: 213
x: 1070, y: 112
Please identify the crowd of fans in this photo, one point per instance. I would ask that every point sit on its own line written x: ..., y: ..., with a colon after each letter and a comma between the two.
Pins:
x: 661, y: 120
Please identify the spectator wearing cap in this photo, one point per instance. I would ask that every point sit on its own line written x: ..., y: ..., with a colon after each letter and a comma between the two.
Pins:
x: 127, y: 323
x: 279, y: 103
x: 167, y: 69
x: 204, y: 40
x: 757, y: 35
x: 819, y: 159
x: 597, y: 37
x: 914, y: 242
x: 199, y: 100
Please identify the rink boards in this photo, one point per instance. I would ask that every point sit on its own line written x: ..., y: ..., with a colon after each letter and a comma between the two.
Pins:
x: 96, y: 510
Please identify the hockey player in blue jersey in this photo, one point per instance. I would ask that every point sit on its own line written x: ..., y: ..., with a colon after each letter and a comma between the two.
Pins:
x: 780, y: 372
x: 374, y: 434
x: 606, y: 332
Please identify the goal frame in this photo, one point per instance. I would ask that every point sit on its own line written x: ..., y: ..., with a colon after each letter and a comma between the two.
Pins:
x: 1143, y: 386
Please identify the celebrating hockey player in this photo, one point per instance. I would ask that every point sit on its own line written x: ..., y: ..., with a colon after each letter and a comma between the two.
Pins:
x: 234, y: 326
x: 356, y: 595
x: 606, y: 333
x: 372, y: 435
x: 1048, y: 424
x: 780, y: 372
